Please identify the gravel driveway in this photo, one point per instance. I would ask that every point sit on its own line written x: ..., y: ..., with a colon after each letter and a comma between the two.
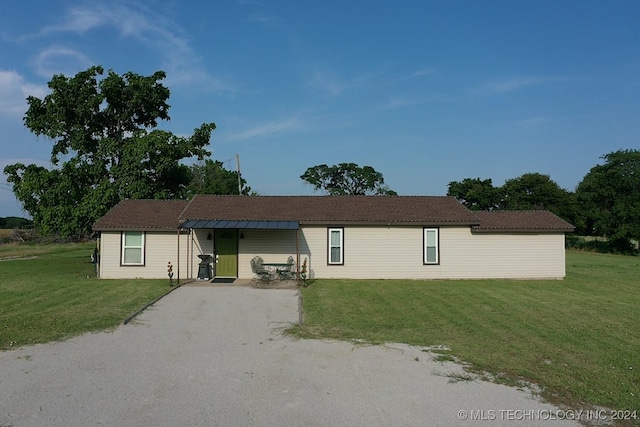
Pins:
x: 206, y: 356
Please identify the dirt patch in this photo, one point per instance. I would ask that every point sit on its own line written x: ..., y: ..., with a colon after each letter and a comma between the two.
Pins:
x: 15, y: 258
x: 278, y: 284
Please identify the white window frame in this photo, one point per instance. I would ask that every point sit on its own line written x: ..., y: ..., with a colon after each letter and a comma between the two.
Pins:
x: 125, y: 247
x: 426, y: 231
x: 340, y: 245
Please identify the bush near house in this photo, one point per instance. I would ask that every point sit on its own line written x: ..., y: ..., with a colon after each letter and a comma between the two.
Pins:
x: 602, y: 245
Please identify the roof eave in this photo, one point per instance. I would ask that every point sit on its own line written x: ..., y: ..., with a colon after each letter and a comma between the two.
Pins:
x: 395, y: 223
x: 129, y: 228
x: 521, y: 230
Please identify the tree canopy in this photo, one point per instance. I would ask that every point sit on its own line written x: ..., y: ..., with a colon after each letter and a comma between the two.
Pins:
x: 538, y: 191
x: 105, y: 149
x: 211, y: 177
x: 347, y: 179
x: 476, y: 194
x: 609, y: 195
x: 527, y: 192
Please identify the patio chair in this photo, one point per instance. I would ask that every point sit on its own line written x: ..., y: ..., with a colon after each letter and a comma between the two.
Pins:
x: 260, y: 273
x: 286, y: 273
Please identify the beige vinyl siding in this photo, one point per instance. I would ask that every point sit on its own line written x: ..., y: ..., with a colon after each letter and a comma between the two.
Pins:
x: 369, y: 252
x: 499, y: 255
x: 160, y: 248
x: 397, y: 252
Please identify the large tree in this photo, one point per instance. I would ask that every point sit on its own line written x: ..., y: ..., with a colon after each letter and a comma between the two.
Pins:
x: 476, y: 194
x: 526, y: 192
x: 538, y: 191
x: 211, y: 177
x: 347, y: 179
x: 105, y: 149
x: 610, y: 198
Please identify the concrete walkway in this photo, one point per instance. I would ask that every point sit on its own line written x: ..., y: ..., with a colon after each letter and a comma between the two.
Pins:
x: 215, y: 356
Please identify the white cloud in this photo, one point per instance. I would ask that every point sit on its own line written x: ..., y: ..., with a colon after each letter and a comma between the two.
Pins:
x: 328, y: 83
x: 264, y: 19
x: 129, y: 22
x: 78, y: 20
x: 394, y: 103
x: 532, y: 122
x: 147, y: 26
x: 417, y: 74
x: 507, y: 85
x: 267, y: 129
x: 14, y: 91
x: 513, y: 84
x: 333, y: 85
x: 60, y: 60
x: 258, y: 15
x: 424, y: 72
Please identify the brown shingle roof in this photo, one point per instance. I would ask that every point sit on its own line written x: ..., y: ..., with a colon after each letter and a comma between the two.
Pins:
x: 424, y: 210
x: 142, y: 215
x: 331, y: 209
x: 521, y: 221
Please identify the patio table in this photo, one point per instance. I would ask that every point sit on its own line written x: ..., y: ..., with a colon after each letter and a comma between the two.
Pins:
x: 278, y: 267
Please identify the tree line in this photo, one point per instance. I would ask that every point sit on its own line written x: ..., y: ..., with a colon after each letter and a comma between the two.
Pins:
x: 13, y: 222
x: 605, y: 203
x: 107, y: 147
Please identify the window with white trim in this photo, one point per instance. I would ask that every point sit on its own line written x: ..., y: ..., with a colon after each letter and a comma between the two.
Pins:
x: 431, y: 246
x: 336, y: 246
x: 132, y: 248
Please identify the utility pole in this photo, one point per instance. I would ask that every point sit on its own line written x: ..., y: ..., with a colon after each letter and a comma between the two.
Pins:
x: 238, y: 170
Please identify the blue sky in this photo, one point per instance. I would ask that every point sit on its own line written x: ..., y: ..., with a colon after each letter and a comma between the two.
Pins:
x: 425, y: 92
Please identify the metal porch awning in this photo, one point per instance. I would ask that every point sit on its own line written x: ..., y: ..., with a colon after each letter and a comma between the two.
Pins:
x: 255, y: 225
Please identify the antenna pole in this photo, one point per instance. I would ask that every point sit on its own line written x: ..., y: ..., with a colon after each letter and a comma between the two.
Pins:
x: 238, y: 170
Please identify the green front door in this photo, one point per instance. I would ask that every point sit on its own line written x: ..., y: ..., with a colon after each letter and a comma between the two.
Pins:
x: 227, y: 251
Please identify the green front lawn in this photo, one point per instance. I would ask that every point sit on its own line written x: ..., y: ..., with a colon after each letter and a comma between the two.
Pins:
x: 579, y: 338
x: 56, y: 295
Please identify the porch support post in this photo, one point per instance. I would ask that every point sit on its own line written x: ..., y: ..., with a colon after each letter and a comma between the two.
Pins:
x: 298, y: 255
x: 178, y: 256
x: 190, y: 253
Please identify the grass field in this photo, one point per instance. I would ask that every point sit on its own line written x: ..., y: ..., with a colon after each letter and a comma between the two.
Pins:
x: 20, y: 250
x: 56, y: 294
x: 578, y: 339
